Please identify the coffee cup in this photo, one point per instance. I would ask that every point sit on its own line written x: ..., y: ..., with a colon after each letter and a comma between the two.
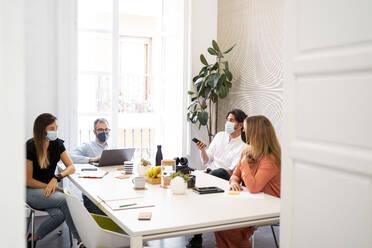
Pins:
x: 139, y: 182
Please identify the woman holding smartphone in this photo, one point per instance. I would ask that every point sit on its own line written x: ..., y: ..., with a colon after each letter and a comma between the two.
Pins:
x: 259, y: 170
x: 44, y: 151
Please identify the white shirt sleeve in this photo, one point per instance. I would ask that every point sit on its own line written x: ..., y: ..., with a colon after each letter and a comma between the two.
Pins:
x: 211, y: 150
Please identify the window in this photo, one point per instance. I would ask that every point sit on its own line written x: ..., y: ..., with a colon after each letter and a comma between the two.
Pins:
x: 130, y: 58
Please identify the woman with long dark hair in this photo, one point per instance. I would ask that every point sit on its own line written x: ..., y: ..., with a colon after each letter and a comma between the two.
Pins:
x: 259, y: 170
x: 44, y: 151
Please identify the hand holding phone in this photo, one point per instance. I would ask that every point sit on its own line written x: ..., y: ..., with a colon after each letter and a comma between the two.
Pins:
x: 199, y: 144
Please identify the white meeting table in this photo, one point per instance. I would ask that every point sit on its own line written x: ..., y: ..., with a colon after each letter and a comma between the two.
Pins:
x: 177, y: 215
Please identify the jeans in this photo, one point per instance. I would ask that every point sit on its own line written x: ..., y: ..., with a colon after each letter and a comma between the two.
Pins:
x: 221, y: 173
x: 56, y: 206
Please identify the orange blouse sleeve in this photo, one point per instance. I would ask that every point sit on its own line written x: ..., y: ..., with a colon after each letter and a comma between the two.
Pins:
x: 237, y: 172
x: 265, y: 172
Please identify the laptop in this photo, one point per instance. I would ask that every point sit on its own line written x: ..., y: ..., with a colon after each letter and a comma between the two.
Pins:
x: 115, y: 157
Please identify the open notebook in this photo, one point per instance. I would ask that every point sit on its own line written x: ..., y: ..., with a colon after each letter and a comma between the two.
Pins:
x: 92, y: 174
x: 129, y: 202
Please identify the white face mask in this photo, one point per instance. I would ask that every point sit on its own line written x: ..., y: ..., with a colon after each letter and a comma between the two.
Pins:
x: 229, y: 127
x: 52, y: 135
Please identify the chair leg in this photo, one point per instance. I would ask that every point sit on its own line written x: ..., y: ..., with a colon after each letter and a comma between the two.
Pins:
x: 276, y: 242
x: 32, y: 227
x: 70, y: 237
x: 28, y: 222
x: 252, y: 240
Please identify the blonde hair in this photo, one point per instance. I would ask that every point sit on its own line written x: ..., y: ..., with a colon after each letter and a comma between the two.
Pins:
x: 260, y: 134
x: 41, y: 122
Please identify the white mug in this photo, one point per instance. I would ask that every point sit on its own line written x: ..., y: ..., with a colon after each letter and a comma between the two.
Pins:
x: 139, y: 182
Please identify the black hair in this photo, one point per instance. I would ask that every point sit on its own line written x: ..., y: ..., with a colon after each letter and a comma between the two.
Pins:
x: 102, y: 120
x: 238, y: 114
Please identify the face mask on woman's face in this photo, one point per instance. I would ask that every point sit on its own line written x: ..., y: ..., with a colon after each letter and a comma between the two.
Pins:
x: 103, y: 137
x: 52, y: 135
x: 229, y: 127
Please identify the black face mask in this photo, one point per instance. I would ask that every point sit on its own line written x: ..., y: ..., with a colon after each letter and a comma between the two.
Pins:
x: 102, y: 137
x: 242, y: 135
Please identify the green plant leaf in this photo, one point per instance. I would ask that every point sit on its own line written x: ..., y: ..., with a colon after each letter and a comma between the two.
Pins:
x: 211, y: 51
x: 203, y: 71
x: 215, y: 46
x: 228, y: 84
x: 195, y: 78
x: 203, y: 118
x: 190, y: 93
x: 223, y: 92
x: 226, y: 64
x: 229, y: 50
x: 215, y: 66
x: 220, y: 80
x: 228, y: 75
x: 203, y: 60
x: 193, y: 98
x: 198, y: 81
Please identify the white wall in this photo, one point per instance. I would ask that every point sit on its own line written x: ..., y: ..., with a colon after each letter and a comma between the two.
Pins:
x: 40, y: 63
x: 12, y: 185
x: 203, y: 31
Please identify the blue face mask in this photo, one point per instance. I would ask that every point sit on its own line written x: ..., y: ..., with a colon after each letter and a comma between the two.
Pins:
x: 52, y: 135
x: 229, y: 127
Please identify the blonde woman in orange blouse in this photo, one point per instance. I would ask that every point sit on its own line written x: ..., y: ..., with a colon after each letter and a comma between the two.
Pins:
x: 258, y: 169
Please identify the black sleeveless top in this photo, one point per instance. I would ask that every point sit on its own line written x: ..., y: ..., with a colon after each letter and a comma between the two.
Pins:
x: 55, y: 149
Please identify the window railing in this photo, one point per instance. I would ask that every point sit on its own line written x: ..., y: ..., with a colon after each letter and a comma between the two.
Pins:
x: 140, y: 138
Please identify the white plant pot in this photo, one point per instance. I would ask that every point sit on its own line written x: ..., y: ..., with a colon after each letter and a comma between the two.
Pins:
x: 141, y: 170
x: 178, y: 186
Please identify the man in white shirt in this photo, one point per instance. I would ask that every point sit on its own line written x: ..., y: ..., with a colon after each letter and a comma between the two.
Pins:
x: 91, y: 152
x: 222, y: 155
x: 224, y: 152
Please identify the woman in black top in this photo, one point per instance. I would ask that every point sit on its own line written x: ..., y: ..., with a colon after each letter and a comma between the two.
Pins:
x: 44, y: 151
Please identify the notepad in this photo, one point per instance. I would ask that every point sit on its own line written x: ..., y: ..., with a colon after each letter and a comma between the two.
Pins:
x: 122, y: 204
x: 92, y: 174
x: 244, y: 194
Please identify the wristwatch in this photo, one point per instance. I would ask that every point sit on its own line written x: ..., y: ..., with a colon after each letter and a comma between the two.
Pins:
x: 58, y: 177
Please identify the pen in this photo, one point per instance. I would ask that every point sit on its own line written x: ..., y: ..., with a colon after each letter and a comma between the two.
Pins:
x: 127, y: 205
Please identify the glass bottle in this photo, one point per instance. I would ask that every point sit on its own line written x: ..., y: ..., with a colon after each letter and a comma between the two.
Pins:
x: 159, y: 156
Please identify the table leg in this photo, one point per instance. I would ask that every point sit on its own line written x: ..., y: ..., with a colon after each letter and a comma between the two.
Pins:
x: 136, y: 242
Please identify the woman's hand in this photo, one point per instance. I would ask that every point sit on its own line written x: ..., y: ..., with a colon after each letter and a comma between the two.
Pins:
x: 234, y: 186
x: 51, y: 187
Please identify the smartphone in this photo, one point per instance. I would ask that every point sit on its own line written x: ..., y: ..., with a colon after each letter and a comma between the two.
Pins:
x: 195, y: 140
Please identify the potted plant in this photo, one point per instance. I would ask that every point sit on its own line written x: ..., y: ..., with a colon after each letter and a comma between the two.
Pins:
x: 178, y: 184
x: 143, y: 166
x: 212, y: 83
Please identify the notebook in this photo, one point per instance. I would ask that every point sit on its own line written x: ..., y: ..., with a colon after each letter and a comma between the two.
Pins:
x: 129, y: 202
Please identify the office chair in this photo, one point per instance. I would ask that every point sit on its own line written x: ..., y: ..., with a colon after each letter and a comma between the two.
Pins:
x: 31, y: 219
x: 95, y: 230
x: 274, y: 236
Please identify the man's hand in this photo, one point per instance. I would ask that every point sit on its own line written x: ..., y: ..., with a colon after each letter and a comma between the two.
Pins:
x: 234, y: 186
x: 51, y: 187
x: 229, y: 171
x: 201, y: 146
x: 92, y: 160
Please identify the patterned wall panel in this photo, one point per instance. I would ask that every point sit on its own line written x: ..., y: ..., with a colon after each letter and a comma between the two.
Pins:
x: 256, y: 61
